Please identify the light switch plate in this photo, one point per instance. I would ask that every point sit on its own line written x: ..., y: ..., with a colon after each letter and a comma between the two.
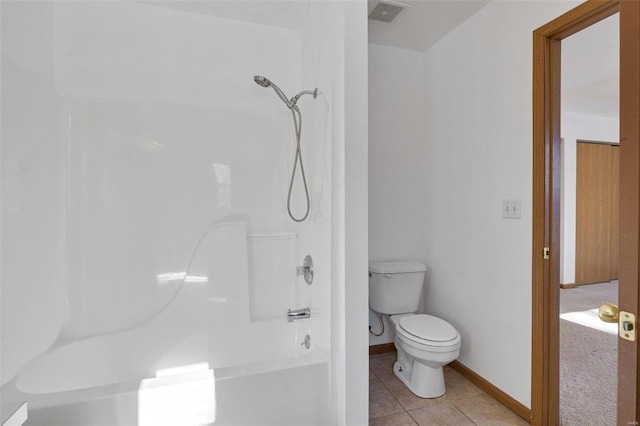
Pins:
x: 511, y: 209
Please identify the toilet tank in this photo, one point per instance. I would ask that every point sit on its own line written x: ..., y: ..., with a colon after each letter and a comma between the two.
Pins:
x: 395, y: 287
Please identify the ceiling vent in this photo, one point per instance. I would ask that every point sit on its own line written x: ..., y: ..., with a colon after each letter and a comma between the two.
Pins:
x: 385, y: 11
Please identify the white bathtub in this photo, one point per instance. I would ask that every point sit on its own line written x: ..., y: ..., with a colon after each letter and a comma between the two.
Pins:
x: 279, y: 392
x: 201, y: 360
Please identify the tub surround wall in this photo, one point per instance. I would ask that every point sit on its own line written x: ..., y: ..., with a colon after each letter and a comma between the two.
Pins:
x: 174, y: 339
x: 149, y: 152
x: 33, y: 272
x: 322, y: 36
x: 136, y: 52
x: 157, y: 148
x: 128, y: 164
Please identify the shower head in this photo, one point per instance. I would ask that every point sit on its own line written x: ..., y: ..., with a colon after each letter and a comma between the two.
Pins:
x: 290, y: 103
x: 262, y: 81
x: 265, y: 82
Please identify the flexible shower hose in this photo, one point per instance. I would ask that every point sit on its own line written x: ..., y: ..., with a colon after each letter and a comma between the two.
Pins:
x: 297, y: 123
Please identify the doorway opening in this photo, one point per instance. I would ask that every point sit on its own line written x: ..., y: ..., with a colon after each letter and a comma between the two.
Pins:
x: 590, y: 130
x: 546, y: 203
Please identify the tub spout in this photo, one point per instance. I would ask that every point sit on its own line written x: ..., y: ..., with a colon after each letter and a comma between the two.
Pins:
x: 297, y: 314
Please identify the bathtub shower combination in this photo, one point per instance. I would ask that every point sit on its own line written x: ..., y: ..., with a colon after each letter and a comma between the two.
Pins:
x: 159, y: 265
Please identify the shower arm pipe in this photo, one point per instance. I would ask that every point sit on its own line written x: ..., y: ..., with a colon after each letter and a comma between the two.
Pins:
x: 294, y: 100
x: 291, y: 103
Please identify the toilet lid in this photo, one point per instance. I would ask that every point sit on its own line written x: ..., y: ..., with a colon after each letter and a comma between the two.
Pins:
x: 430, y: 328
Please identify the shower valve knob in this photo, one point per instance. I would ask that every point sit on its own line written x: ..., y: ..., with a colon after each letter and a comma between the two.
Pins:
x: 307, y: 342
x: 306, y: 270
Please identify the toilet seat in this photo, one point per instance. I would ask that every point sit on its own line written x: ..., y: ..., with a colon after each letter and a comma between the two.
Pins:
x: 427, y: 330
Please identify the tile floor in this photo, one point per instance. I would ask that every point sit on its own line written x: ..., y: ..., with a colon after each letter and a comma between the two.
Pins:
x: 464, y: 404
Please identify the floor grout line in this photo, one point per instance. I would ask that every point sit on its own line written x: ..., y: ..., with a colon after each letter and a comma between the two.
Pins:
x: 390, y: 386
x: 463, y: 413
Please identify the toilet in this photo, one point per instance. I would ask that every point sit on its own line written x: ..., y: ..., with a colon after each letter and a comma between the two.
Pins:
x: 424, y: 343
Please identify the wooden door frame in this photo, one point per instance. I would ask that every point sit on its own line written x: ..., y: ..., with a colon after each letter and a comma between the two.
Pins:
x: 545, y: 374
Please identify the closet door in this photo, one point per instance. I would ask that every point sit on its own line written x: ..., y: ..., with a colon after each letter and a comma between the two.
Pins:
x: 596, y: 213
x: 614, y: 235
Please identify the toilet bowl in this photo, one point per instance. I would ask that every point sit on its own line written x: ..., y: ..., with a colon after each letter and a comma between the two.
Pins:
x: 425, y: 344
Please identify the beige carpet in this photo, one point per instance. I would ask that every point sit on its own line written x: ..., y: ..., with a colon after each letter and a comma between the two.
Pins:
x: 588, y: 359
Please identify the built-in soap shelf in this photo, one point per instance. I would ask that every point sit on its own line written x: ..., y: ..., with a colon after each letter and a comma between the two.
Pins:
x: 272, y: 261
x: 281, y: 234
x: 14, y: 414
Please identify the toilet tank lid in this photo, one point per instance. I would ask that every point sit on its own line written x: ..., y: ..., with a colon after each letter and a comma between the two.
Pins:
x: 396, y: 267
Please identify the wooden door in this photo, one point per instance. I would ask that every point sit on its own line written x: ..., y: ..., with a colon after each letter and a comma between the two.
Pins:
x: 546, y: 204
x: 614, y: 234
x: 629, y: 255
x: 596, y: 212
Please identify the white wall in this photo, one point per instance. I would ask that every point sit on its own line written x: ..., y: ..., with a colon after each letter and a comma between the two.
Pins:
x: 577, y: 127
x: 397, y: 174
x: 33, y: 196
x: 479, y: 152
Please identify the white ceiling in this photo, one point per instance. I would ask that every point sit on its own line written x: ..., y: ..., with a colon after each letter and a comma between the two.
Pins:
x: 422, y: 23
x: 591, y: 70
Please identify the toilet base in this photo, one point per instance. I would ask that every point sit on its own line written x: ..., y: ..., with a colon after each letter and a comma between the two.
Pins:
x: 422, y: 380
